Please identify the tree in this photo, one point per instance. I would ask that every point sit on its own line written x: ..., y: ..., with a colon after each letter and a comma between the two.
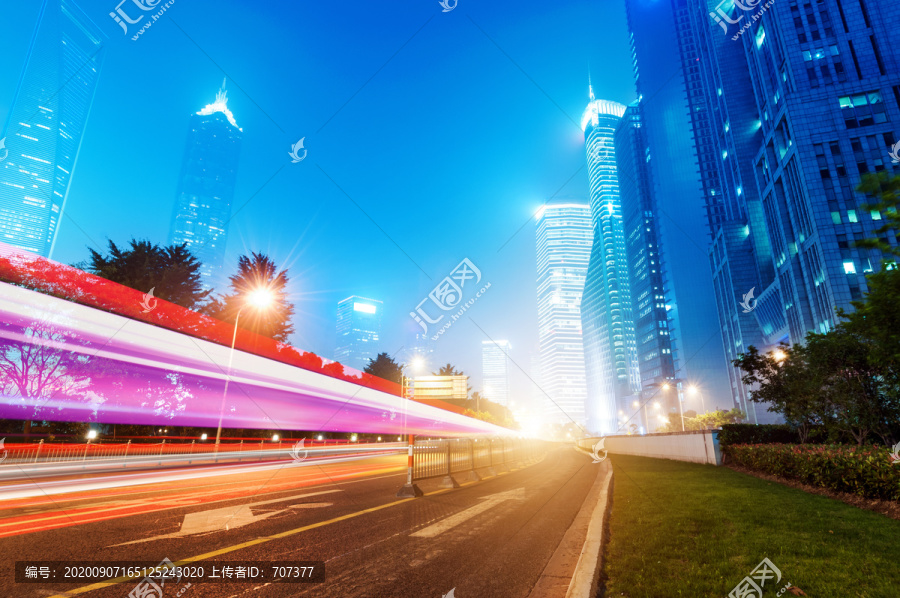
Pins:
x: 385, y: 367
x: 447, y: 370
x: 788, y: 382
x: 853, y: 384
x: 255, y: 273
x: 172, y: 271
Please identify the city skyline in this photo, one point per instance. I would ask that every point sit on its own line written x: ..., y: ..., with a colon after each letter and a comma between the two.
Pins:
x: 295, y: 212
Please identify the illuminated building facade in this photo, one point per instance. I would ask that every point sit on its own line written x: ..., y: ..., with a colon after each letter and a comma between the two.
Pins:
x: 358, y: 331
x: 610, y: 351
x: 206, y: 186
x: 495, y: 371
x: 564, y: 237
x: 41, y: 141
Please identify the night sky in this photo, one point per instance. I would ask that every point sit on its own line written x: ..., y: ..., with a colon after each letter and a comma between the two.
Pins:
x: 447, y: 129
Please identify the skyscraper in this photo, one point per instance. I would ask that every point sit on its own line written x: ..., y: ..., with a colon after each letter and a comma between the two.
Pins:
x: 610, y: 353
x: 676, y: 130
x: 825, y: 82
x: 495, y: 371
x: 740, y: 254
x: 358, y: 331
x: 46, y: 124
x: 564, y: 237
x: 206, y: 186
x: 653, y: 302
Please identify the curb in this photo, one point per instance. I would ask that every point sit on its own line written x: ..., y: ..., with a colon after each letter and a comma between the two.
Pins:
x: 577, y: 557
x: 587, y: 571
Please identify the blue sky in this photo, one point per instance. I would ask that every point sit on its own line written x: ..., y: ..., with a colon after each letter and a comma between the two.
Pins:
x: 447, y: 129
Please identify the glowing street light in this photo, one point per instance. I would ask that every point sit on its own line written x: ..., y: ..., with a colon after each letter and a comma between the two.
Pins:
x: 779, y: 355
x: 92, y: 434
x: 320, y: 437
x: 260, y: 299
x: 203, y: 436
x: 275, y: 437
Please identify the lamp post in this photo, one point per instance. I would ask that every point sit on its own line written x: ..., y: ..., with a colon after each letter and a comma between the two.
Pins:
x: 692, y: 390
x: 260, y: 299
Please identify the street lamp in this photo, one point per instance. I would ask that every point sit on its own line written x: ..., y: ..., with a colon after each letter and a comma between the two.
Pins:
x: 779, y: 355
x: 692, y: 390
x: 275, y: 437
x: 92, y: 434
x: 260, y: 299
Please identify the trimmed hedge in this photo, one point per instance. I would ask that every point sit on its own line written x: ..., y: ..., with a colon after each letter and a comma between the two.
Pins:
x: 767, y: 434
x: 865, y: 471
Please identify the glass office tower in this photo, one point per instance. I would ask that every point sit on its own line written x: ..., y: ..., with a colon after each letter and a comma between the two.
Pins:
x: 610, y: 352
x: 564, y: 237
x: 46, y: 124
x: 495, y: 371
x: 653, y: 303
x: 676, y: 129
x: 358, y: 331
x: 206, y: 186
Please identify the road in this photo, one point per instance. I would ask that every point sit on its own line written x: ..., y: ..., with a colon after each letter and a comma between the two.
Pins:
x: 487, y: 538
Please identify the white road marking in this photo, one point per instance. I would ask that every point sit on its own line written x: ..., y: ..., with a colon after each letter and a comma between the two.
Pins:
x: 216, y: 520
x: 489, y: 501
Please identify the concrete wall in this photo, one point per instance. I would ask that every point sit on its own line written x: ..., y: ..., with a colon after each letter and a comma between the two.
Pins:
x: 696, y: 447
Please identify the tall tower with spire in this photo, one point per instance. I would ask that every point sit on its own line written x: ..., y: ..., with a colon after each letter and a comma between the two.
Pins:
x: 206, y: 186
x: 607, y: 324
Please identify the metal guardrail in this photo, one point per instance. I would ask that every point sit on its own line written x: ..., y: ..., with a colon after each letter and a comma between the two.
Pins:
x: 437, y: 458
x: 125, y: 452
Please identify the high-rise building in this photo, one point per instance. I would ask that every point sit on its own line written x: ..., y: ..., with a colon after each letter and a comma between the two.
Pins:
x: 564, y: 237
x: 740, y: 255
x: 825, y: 81
x: 495, y: 371
x: 206, y: 186
x: 654, y: 306
x: 610, y: 353
x: 46, y: 124
x: 358, y: 331
x: 676, y: 130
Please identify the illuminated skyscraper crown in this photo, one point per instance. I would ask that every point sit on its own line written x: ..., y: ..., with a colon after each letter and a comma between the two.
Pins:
x: 220, y: 105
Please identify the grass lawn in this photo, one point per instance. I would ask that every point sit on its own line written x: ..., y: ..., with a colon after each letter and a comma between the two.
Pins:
x: 682, y: 529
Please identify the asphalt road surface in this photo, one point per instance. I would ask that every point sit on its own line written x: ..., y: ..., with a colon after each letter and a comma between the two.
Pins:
x: 485, y: 539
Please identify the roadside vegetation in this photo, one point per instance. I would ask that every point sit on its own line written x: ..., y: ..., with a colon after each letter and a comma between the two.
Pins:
x: 683, y: 529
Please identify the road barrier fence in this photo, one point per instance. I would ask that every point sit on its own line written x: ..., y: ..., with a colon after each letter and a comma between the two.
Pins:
x: 448, y: 457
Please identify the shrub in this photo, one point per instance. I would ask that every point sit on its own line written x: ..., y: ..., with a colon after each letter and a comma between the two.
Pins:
x: 864, y: 471
x: 767, y: 434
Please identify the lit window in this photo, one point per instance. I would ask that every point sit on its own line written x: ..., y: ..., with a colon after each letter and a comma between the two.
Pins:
x: 849, y: 268
x: 851, y: 215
